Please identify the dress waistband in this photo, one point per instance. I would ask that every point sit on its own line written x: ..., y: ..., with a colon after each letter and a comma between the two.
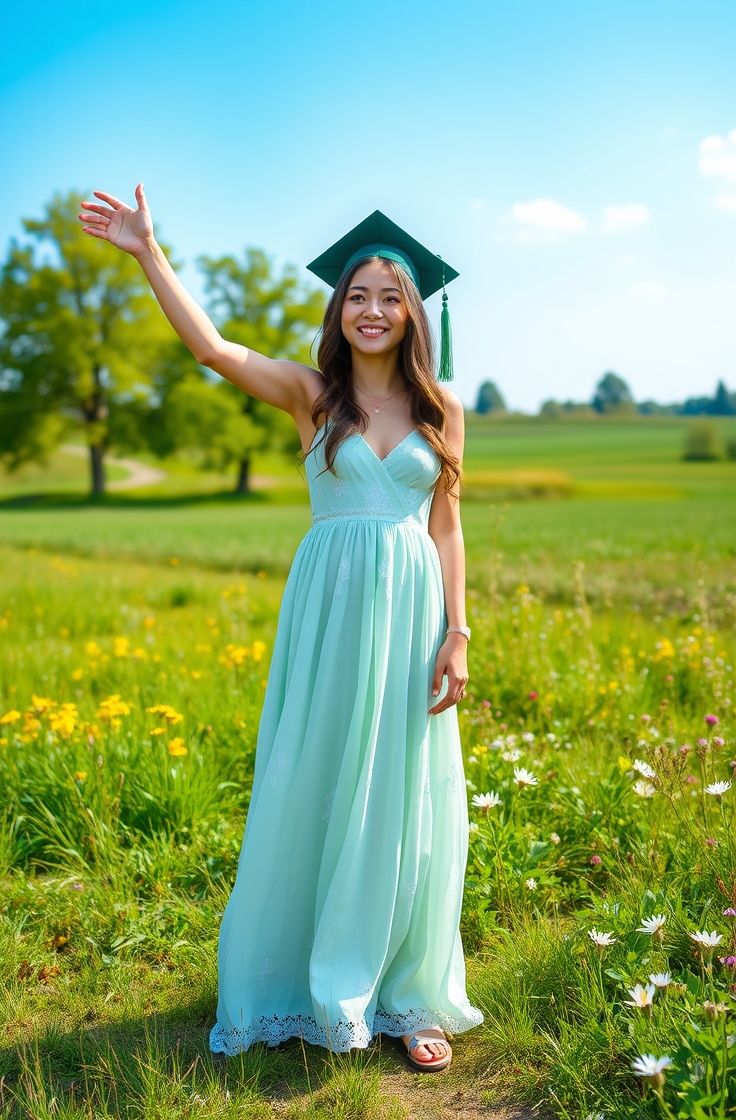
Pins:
x: 360, y: 515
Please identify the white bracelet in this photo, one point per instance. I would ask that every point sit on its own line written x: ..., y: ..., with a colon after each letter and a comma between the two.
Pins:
x: 459, y: 630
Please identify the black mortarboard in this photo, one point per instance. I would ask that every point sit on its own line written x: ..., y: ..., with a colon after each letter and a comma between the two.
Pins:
x: 378, y: 236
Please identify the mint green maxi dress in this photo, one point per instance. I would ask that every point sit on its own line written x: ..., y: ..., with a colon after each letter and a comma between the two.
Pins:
x: 343, y: 921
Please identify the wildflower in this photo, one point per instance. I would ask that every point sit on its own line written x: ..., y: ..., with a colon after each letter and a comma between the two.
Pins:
x: 644, y: 769
x: 471, y: 757
x: 660, y: 979
x: 713, y: 1010
x: 729, y: 912
x: 111, y: 708
x: 711, y: 720
x: 707, y: 940
x: 531, y: 884
x: 711, y: 842
x: 717, y: 741
x: 473, y: 826
x: 702, y: 742
x: 486, y: 800
x: 64, y: 720
x: 170, y: 714
x: 596, y: 861
x: 641, y: 997
x: 652, y: 925
x: 9, y: 717
x: 717, y: 789
x: 554, y: 837
x: 644, y: 789
x: 728, y: 962
x: 646, y: 719
x: 257, y: 650
x: 533, y: 696
x: 177, y: 748
x: 685, y: 749
x: 527, y: 736
x: 80, y: 775
x: 524, y: 777
x: 511, y: 756
x: 602, y: 940
x: 41, y: 704
x: 650, y: 1068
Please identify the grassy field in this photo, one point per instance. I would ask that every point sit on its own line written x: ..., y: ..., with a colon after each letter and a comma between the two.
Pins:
x: 603, y: 636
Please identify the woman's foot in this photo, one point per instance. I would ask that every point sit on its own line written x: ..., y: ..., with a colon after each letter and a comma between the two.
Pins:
x: 431, y: 1051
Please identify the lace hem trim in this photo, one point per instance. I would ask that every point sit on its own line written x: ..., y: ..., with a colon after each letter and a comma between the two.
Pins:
x: 339, y: 1036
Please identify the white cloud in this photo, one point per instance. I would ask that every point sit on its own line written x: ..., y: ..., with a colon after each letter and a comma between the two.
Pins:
x: 617, y: 218
x: 718, y: 155
x: 727, y: 203
x: 546, y: 214
x: 649, y: 289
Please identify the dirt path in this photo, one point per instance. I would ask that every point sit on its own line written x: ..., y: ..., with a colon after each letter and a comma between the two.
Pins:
x: 139, y: 474
x: 438, y: 1100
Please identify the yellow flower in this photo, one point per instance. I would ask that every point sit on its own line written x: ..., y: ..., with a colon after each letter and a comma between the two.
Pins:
x: 121, y: 647
x: 157, y: 731
x: 170, y: 714
x: 93, y: 649
x: 10, y: 717
x: 140, y: 654
x: 148, y: 622
x: 196, y: 674
x: 111, y: 708
x: 77, y: 674
x: 623, y: 764
x: 177, y: 748
x: 80, y: 775
x: 41, y: 704
x: 259, y: 648
x: 612, y: 685
x: 65, y: 720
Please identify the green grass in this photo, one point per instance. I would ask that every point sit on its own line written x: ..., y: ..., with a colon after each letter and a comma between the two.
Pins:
x: 116, y: 857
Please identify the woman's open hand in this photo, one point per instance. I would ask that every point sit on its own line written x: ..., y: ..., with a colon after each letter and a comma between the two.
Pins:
x: 452, y: 660
x: 125, y: 228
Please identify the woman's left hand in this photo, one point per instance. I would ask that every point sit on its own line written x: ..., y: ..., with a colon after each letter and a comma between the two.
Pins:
x: 452, y: 661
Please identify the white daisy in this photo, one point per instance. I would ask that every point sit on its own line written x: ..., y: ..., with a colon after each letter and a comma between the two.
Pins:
x: 524, y: 777
x: 644, y: 789
x: 644, y: 769
x: 652, y: 925
x: 708, y: 940
x: 601, y: 939
x: 717, y: 789
x: 660, y: 979
x: 486, y: 800
x: 649, y: 1066
x: 531, y: 884
x: 641, y: 997
x: 511, y: 756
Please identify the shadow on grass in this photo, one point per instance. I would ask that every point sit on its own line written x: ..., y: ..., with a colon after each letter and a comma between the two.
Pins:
x: 62, y: 501
x: 162, y: 1063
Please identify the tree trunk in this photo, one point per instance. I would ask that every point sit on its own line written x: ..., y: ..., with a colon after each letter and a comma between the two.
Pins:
x: 243, y: 486
x: 97, y: 468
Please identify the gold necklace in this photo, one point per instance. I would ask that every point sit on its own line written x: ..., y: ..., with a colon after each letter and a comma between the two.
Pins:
x: 370, y: 398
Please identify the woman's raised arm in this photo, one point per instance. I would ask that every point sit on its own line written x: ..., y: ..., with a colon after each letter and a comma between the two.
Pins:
x: 283, y: 384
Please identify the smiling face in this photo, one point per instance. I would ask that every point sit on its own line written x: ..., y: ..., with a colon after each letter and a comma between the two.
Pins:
x: 374, y: 312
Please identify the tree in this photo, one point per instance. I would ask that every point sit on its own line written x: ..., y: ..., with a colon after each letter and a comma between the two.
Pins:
x: 273, y: 314
x: 611, y: 394
x: 724, y: 403
x: 703, y: 441
x: 82, y: 334
x: 489, y: 399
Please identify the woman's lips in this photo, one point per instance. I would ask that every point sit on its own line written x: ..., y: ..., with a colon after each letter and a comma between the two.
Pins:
x: 372, y: 332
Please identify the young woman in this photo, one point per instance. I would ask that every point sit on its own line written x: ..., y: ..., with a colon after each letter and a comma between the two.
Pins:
x: 343, y: 922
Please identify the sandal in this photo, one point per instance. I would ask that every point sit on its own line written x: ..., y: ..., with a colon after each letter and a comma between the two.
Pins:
x: 430, y: 1034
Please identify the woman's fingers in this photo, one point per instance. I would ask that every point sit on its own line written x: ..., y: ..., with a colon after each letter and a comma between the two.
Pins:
x: 97, y: 218
x: 95, y: 232
x: 95, y: 208
x: 114, y: 202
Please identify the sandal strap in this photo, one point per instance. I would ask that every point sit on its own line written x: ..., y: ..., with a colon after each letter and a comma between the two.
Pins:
x: 424, y: 1036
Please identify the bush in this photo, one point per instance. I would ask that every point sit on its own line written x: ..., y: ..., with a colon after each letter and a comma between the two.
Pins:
x: 703, y: 442
x: 731, y: 449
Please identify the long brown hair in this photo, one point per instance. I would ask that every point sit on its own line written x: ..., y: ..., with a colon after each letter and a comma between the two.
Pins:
x: 416, y: 365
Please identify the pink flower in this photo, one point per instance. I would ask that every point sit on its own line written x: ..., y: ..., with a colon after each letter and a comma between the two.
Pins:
x: 702, y: 742
x: 729, y: 962
x: 690, y: 779
x: 717, y: 741
x: 733, y: 764
x: 711, y: 720
x: 532, y: 696
x: 729, y: 913
x: 596, y: 860
x: 685, y: 749
x: 711, y: 842
x: 486, y: 703
x: 646, y: 719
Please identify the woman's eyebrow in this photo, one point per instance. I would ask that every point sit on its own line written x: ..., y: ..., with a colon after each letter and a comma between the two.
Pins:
x: 362, y: 288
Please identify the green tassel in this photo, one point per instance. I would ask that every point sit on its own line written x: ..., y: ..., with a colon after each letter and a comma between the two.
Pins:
x: 445, y: 372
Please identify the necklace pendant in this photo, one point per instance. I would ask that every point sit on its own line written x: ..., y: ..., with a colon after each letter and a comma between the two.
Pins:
x: 376, y: 410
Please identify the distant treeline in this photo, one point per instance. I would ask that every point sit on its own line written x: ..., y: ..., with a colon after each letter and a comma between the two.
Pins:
x: 613, y: 397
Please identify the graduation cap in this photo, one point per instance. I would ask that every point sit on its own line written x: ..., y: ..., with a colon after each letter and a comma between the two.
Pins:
x: 378, y: 236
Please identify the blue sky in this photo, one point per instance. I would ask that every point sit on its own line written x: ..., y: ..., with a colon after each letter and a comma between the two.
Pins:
x: 575, y: 161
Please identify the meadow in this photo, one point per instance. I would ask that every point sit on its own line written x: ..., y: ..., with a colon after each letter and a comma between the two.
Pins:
x: 599, y: 917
